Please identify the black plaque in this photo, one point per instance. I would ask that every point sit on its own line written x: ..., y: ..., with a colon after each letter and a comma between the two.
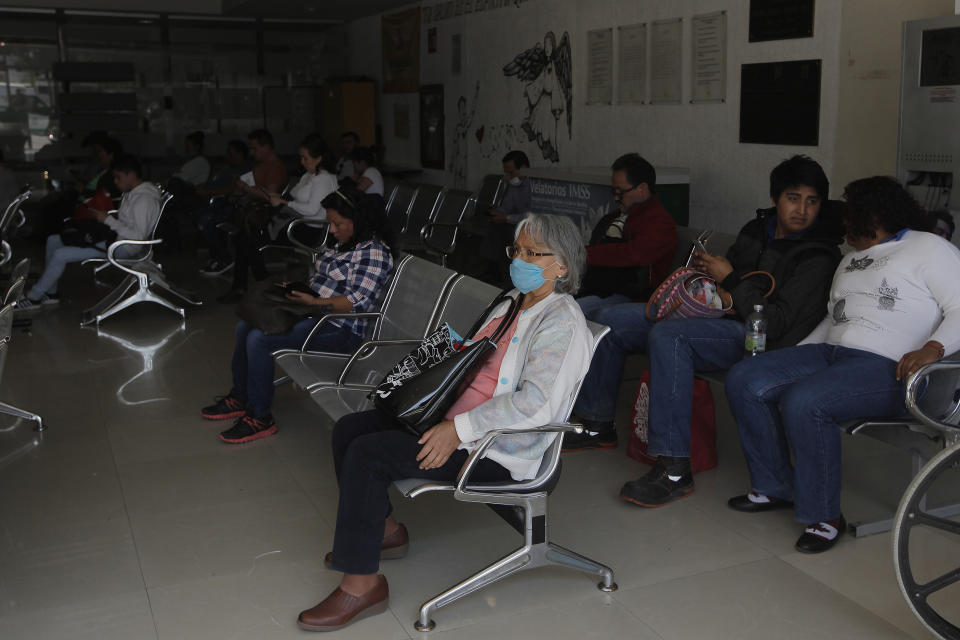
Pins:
x: 780, y: 19
x: 940, y: 57
x: 780, y: 102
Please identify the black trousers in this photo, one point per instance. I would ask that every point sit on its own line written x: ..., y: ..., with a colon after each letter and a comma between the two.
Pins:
x: 369, y: 453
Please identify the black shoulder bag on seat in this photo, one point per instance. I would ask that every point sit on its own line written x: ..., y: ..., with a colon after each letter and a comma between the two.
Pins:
x: 420, y: 389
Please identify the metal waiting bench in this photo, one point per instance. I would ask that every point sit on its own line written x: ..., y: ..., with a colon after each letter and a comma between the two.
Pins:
x: 6, y: 333
x: 405, y: 312
x: 143, y: 280
x: 460, y: 304
x: 522, y: 504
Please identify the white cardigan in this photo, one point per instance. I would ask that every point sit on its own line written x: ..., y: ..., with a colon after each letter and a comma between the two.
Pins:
x: 546, y: 360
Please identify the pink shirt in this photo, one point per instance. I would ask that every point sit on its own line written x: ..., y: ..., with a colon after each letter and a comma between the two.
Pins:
x: 481, y: 388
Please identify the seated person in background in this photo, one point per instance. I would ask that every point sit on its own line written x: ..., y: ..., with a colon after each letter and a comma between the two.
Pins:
x: 505, y: 216
x: 305, y: 201
x: 268, y: 175
x: 135, y: 220
x: 941, y: 223
x: 196, y: 169
x: 224, y: 181
x: 527, y: 382
x: 894, y: 306
x: 348, y: 141
x: 630, y: 249
x: 368, y: 177
x: 350, y: 277
x: 797, y: 243
x: 790, y: 240
x: 94, y: 185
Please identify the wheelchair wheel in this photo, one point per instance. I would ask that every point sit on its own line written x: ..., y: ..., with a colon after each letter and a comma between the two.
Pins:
x: 924, y: 544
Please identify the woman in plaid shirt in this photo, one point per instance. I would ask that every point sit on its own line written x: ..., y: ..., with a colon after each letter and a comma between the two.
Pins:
x: 349, y: 278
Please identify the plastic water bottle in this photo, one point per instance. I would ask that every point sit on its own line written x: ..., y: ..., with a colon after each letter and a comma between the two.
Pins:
x: 756, y: 340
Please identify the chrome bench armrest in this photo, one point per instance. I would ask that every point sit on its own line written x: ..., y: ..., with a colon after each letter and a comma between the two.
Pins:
x: 112, y: 249
x: 334, y: 316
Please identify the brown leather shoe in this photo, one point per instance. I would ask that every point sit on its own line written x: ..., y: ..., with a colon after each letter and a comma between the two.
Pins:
x: 393, y: 547
x: 340, y: 608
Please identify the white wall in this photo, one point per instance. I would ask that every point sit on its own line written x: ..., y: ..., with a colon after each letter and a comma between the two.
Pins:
x: 729, y: 180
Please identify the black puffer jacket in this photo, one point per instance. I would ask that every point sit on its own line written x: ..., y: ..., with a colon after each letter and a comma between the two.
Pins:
x: 803, y: 268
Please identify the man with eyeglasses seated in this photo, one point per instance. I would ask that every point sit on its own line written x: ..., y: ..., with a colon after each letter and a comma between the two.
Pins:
x: 631, y: 248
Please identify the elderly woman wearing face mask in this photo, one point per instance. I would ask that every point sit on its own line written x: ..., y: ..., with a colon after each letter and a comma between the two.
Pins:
x: 528, y: 381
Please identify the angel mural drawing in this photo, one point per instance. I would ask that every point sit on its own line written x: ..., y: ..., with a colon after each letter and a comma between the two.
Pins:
x: 458, y: 158
x: 546, y: 70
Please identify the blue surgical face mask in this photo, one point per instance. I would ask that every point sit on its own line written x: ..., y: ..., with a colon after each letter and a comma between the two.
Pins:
x: 515, y: 181
x: 526, y: 276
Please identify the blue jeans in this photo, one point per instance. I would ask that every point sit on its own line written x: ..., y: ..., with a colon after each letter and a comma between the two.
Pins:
x: 678, y: 348
x: 252, y: 364
x: 59, y: 256
x: 629, y: 327
x: 791, y: 400
x: 590, y: 305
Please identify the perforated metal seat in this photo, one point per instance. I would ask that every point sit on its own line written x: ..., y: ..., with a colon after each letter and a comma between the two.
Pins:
x: 423, y: 208
x: 462, y: 304
x: 11, y: 219
x: 439, y: 237
x: 398, y: 205
x: 6, y: 333
x: 409, y: 306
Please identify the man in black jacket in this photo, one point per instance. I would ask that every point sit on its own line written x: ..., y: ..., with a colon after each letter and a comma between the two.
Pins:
x: 796, y: 242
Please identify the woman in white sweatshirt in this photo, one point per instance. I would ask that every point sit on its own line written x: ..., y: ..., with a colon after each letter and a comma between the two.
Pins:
x: 894, y: 306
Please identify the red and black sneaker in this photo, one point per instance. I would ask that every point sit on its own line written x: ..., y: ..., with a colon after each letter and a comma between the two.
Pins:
x: 248, y: 429
x: 227, y: 407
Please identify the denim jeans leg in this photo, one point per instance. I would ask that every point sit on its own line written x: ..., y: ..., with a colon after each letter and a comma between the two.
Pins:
x: 629, y: 328
x: 754, y: 389
x: 238, y: 365
x: 857, y: 384
x: 58, y: 257
x: 678, y: 348
x: 260, y: 347
x: 590, y: 305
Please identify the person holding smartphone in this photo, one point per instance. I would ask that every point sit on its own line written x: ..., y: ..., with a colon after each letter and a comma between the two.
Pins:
x: 795, y: 240
x: 350, y: 276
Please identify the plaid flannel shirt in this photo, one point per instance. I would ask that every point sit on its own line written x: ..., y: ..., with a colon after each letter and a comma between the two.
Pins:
x: 360, y: 274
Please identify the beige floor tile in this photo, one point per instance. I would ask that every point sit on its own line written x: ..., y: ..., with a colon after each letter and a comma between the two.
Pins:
x: 579, y: 619
x: 764, y: 599
x: 123, y: 616
x: 229, y: 538
x: 262, y: 604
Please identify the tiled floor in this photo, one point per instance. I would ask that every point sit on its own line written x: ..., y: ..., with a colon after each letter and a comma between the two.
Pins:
x: 130, y: 520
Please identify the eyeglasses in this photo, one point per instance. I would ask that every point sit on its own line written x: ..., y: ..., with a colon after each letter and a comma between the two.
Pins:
x: 617, y: 191
x: 515, y: 252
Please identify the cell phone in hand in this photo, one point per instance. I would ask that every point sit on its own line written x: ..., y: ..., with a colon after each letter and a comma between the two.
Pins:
x: 302, y: 287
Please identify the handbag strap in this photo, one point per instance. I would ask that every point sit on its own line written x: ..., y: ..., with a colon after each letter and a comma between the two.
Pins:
x: 773, y: 281
x: 507, y: 319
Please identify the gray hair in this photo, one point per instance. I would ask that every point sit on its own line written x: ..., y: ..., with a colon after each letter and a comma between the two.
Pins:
x: 562, y: 238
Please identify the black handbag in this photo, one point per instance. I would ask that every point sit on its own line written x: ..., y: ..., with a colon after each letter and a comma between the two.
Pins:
x: 86, y: 233
x: 267, y: 308
x: 420, y: 389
